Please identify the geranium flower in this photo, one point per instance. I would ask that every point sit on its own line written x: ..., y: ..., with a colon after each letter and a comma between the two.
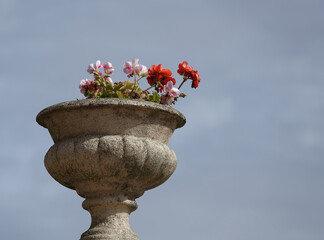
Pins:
x: 195, y: 79
x: 141, y: 70
x: 184, y: 69
x: 83, y: 85
x: 170, y: 90
x: 110, y: 80
x: 94, y: 67
x: 128, y: 68
x: 157, y: 74
x: 108, y: 67
x: 188, y: 73
x: 89, y: 88
x: 133, y: 67
x: 170, y: 93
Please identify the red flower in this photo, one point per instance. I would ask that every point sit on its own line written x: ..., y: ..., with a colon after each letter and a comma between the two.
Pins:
x: 189, y: 73
x: 195, y: 79
x: 157, y: 74
x: 184, y: 69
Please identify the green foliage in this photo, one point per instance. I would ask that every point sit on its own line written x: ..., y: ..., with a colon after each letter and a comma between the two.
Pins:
x: 119, y: 94
x: 154, y: 97
x: 102, y: 88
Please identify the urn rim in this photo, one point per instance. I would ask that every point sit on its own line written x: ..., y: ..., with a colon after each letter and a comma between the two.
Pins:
x: 105, y: 102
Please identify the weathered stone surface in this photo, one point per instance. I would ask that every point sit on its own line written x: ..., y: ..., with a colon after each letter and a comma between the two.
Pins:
x: 122, y: 117
x: 110, y: 151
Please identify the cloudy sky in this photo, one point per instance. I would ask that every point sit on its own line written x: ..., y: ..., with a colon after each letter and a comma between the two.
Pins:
x: 251, y: 156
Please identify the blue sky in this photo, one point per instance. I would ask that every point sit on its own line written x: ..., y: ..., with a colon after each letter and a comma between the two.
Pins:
x: 250, y: 158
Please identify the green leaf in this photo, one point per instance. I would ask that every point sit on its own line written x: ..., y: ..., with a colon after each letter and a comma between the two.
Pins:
x: 127, y: 85
x: 119, y: 94
x: 156, y: 97
x: 138, y: 91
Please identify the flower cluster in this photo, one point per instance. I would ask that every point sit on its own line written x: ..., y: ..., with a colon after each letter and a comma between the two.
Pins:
x: 189, y: 73
x: 159, y: 79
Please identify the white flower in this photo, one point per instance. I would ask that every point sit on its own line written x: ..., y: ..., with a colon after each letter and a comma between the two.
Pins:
x: 128, y: 68
x: 108, y: 67
x: 94, y: 67
x: 141, y: 70
x: 133, y: 67
x: 170, y: 90
x: 110, y: 80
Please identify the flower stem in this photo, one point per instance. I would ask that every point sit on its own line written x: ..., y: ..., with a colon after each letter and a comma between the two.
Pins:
x: 184, y: 80
x: 148, y: 88
x: 131, y: 94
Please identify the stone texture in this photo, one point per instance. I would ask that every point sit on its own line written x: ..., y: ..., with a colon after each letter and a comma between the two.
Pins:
x: 110, y: 151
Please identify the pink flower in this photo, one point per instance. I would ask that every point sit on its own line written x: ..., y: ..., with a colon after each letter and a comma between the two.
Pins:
x: 133, y: 67
x: 83, y: 84
x: 170, y: 93
x: 128, y: 68
x: 141, y: 70
x: 170, y: 90
x: 94, y: 67
x: 110, y: 80
x: 108, y: 67
x: 135, y: 62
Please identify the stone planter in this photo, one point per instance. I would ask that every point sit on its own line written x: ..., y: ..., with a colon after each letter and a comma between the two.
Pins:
x: 110, y: 151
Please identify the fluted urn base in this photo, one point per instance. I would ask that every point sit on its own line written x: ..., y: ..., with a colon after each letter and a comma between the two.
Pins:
x: 110, y: 151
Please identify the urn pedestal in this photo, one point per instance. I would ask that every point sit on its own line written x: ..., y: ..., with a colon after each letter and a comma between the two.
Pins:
x: 110, y: 151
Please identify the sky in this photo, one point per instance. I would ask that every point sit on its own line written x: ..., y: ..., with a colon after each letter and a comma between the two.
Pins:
x: 250, y: 157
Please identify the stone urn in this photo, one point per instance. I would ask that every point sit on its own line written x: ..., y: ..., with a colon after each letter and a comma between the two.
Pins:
x: 110, y: 151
